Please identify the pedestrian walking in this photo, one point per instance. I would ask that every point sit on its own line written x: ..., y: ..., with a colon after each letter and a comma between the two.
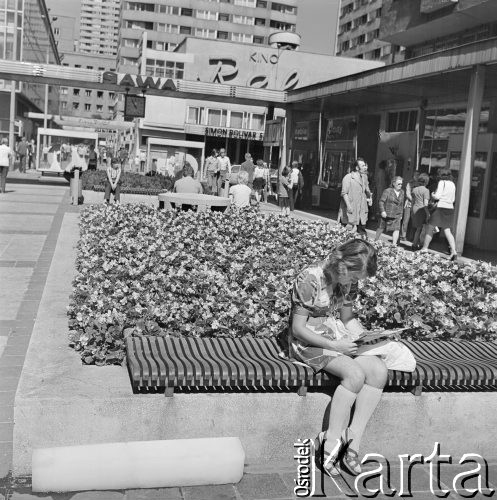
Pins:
x: 6, y: 158
x: 406, y: 216
x: 224, y: 169
x: 353, y: 211
x: 284, y: 187
x: 443, y: 216
x: 211, y: 169
x: 419, y: 211
x: 391, y: 209
x: 297, y: 185
x: 248, y: 166
x: 259, y: 182
x: 22, y: 152
x: 31, y: 154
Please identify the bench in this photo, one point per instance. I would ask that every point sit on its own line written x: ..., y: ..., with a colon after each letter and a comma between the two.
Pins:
x: 203, y: 202
x: 169, y: 363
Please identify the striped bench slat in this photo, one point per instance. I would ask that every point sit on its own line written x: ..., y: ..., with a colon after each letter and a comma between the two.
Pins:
x: 168, y: 362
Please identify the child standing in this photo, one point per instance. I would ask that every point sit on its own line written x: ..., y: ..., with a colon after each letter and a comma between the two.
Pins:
x: 113, y: 184
x: 284, y: 186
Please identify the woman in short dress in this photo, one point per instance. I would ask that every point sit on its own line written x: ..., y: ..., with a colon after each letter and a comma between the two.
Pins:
x: 443, y: 216
x: 317, y: 339
x: 259, y: 182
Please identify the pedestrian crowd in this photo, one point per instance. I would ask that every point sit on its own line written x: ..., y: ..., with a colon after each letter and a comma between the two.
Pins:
x: 401, y: 206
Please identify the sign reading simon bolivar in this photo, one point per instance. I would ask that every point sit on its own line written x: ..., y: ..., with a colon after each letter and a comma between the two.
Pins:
x: 234, y: 133
x: 428, y: 6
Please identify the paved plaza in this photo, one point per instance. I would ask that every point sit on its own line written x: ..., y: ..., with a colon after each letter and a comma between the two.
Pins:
x: 31, y: 218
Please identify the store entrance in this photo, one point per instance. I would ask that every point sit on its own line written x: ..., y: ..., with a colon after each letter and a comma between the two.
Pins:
x: 235, y: 148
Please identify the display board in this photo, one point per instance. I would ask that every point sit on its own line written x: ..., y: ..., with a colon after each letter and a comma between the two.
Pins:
x: 58, y: 150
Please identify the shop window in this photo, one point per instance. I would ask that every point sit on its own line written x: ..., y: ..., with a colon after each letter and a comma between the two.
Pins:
x: 216, y: 118
x: 402, y: 121
x: 236, y: 119
x: 194, y: 115
x: 257, y: 122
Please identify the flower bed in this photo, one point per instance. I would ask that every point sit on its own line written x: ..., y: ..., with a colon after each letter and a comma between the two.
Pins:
x: 131, y: 182
x: 144, y: 271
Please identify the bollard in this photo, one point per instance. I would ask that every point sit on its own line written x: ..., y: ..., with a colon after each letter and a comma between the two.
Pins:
x: 76, y: 187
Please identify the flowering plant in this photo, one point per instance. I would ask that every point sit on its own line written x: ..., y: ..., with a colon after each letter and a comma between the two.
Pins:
x: 144, y: 271
x: 131, y: 182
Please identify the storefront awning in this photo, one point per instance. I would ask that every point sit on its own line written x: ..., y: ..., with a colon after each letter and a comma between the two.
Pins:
x: 442, y: 74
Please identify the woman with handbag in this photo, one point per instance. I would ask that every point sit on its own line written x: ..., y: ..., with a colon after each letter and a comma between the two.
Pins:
x: 391, y: 209
x: 443, y: 216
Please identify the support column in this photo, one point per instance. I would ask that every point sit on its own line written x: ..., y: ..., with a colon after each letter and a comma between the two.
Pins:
x: 475, y: 98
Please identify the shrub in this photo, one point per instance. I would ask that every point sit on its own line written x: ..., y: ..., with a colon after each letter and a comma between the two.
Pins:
x: 144, y: 271
x: 131, y: 182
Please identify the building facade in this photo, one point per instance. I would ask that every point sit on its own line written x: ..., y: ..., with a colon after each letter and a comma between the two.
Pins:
x: 359, y: 32
x: 220, y: 123
x: 167, y: 23
x: 87, y: 103
x: 99, y: 27
x: 27, y: 36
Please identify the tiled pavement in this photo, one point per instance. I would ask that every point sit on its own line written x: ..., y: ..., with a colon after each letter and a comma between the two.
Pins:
x: 30, y: 219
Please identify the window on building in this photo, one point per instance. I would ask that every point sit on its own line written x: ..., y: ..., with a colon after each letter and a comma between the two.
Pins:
x: 175, y: 69
x: 63, y: 104
x: 216, y: 117
x: 224, y: 17
x: 344, y: 28
x: 261, y: 4
x: 101, y: 69
x: 347, y: 9
x: 100, y: 94
x: 281, y: 26
x: 63, y: 90
x: 75, y: 105
x: 110, y: 109
x: 345, y: 45
x: 259, y: 40
x: 206, y: 14
x: 257, y: 122
x: 186, y: 12
x: 205, y: 33
x: 361, y: 39
x: 77, y: 65
x: 285, y: 9
x: 245, y: 3
x: 243, y: 19
x: 222, y: 35
x: 143, y: 7
x: 376, y: 54
x: 168, y: 9
x: 402, y: 121
x: 241, y: 37
x: 75, y: 91
x: 259, y: 21
x: 168, y: 28
x: 378, y: 12
x: 88, y: 93
x: 194, y: 115
x: 56, y: 31
x: 100, y: 107
x: 236, y: 119
x: 185, y: 30
x: 87, y: 106
x: 112, y: 95
x: 139, y: 25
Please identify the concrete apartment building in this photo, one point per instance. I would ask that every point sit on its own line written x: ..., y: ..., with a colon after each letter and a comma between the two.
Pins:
x: 358, y: 32
x: 86, y: 33
x: 167, y: 23
x: 99, y: 27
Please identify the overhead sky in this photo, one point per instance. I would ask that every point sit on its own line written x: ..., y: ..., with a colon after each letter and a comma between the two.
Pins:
x: 317, y: 25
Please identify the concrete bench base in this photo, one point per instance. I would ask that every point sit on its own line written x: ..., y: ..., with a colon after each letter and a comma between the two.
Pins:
x: 61, y: 402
